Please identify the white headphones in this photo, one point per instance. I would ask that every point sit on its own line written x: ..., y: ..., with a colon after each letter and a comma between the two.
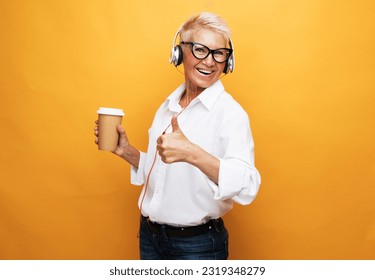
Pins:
x: 176, y: 55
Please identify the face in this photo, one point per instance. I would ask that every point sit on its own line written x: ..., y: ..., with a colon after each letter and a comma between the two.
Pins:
x: 200, y: 74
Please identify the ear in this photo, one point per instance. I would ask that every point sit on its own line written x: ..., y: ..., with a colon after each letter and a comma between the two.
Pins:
x: 225, y: 71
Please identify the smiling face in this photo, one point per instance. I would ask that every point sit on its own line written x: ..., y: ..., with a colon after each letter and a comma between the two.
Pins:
x: 201, y: 74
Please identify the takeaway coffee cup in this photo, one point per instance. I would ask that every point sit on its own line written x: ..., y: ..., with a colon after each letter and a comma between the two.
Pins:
x: 109, y: 119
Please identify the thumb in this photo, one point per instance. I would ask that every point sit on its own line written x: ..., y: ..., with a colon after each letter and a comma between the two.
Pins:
x: 175, y: 125
x: 123, y: 138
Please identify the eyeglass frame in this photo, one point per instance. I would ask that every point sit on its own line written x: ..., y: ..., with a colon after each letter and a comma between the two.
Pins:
x: 230, y: 51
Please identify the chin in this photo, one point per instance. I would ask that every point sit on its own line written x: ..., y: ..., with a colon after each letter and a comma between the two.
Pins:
x: 206, y: 82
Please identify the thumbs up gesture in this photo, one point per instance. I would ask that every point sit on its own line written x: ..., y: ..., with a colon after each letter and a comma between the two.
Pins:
x: 174, y: 147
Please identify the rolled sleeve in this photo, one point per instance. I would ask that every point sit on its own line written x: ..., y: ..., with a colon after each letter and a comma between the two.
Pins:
x: 238, y: 180
x: 239, y: 183
x: 136, y: 174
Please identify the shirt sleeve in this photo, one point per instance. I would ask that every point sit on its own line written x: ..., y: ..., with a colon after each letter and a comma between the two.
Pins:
x: 136, y: 174
x: 239, y: 180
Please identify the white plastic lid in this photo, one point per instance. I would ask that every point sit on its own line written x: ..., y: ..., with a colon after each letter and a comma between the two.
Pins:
x: 110, y: 111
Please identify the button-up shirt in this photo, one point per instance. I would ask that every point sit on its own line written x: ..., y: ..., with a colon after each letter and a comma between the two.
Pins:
x: 180, y: 194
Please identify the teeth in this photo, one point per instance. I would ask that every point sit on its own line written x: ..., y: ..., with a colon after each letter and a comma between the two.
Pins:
x: 206, y: 72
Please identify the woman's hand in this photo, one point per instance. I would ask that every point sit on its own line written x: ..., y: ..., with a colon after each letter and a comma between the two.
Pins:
x: 123, y: 139
x: 123, y: 142
x: 96, y: 132
x: 123, y: 149
x: 174, y: 147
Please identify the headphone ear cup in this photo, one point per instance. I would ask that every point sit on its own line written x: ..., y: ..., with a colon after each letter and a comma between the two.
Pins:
x: 228, y: 65
x: 178, y: 55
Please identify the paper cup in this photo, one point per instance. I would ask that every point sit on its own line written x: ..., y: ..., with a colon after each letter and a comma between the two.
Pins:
x: 109, y: 119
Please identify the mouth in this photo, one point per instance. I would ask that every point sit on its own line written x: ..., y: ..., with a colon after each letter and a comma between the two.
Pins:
x: 204, y: 71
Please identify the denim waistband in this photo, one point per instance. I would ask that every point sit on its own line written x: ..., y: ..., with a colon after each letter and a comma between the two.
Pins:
x: 171, y: 231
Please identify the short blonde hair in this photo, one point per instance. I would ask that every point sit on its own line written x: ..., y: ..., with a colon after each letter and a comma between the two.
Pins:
x: 205, y: 20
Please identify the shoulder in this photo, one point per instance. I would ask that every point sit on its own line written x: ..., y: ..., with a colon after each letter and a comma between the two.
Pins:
x: 231, y: 108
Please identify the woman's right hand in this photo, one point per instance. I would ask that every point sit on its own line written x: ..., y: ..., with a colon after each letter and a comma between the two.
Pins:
x: 96, y: 132
x: 123, y: 149
x: 123, y: 142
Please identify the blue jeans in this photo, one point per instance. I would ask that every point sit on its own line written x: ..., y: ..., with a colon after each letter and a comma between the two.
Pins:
x: 212, y: 245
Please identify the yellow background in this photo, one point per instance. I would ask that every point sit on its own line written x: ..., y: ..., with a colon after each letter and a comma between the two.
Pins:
x: 305, y: 73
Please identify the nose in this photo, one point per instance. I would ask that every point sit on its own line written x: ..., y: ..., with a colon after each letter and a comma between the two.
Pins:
x: 209, y: 60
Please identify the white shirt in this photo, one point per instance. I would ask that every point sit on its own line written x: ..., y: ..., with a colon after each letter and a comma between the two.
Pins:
x: 180, y: 194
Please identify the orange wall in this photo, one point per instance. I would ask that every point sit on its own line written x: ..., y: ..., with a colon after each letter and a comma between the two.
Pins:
x: 305, y: 74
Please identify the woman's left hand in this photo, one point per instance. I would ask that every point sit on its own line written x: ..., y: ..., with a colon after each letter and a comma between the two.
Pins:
x: 174, y: 147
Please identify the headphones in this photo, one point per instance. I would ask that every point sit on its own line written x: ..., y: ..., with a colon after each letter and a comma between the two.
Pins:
x: 176, y: 55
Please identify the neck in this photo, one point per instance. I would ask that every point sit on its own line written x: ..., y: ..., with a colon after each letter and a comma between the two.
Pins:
x: 186, y: 98
x: 191, y: 92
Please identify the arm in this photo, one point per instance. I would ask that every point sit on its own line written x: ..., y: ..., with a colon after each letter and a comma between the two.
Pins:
x: 239, y: 180
x: 232, y: 174
x: 175, y: 147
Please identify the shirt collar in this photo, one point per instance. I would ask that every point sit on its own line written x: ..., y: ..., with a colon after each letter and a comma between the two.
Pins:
x: 208, y: 97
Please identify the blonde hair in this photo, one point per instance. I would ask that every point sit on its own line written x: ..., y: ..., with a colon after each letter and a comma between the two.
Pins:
x: 204, y: 20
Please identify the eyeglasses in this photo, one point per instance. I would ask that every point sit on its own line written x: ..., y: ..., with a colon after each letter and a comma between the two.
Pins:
x: 201, y: 52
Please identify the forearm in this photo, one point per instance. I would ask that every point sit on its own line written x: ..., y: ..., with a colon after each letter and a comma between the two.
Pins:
x: 206, y: 162
x: 131, y: 155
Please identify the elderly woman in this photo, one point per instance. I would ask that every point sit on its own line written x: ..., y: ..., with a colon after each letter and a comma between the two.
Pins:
x: 200, y: 156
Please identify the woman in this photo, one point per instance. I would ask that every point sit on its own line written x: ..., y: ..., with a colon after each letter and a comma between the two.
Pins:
x: 200, y: 156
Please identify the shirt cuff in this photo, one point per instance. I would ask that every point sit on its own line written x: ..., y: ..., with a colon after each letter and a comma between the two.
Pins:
x: 237, y: 182
x: 136, y: 174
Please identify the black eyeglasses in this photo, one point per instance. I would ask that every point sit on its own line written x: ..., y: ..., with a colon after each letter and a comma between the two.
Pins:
x: 201, y: 52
